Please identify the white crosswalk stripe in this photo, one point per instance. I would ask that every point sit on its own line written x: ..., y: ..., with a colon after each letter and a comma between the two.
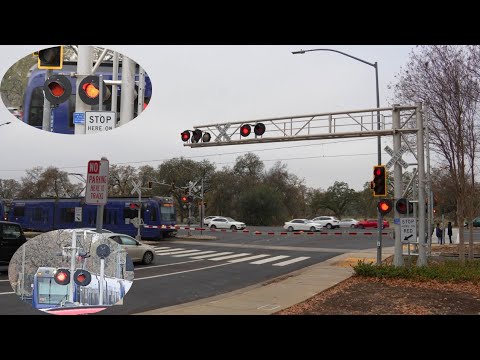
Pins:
x: 161, y: 247
x: 200, y: 253
x: 230, y: 256
x: 248, y: 258
x: 292, y: 261
x: 211, y: 255
x: 275, y: 258
x: 175, y: 252
x: 167, y: 250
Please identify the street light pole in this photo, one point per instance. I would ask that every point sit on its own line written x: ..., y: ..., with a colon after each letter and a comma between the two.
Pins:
x: 379, y: 142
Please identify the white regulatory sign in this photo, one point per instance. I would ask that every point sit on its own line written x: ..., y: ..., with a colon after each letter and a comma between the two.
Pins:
x: 78, y: 214
x: 97, y: 182
x: 408, y: 229
x: 99, y: 121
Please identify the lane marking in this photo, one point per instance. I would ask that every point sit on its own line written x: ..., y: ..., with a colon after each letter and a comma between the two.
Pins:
x: 161, y: 247
x: 259, y: 262
x: 200, y: 253
x: 248, y: 258
x: 230, y: 256
x: 155, y: 266
x: 211, y: 255
x: 292, y: 261
x: 4, y: 280
x: 182, y: 272
x: 164, y: 251
x: 7, y: 293
x: 180, y: 252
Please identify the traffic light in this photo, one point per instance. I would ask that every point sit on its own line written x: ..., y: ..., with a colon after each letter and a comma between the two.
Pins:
x: 385, y: 206
x: 206, y: 137
x: 57, y: 89
x: 196, y: 135
x: 184, y: 198
x: 51, y: 58
x: 185, y: 135
x: 259, y: 129
x: 82, y: 277
x: 62, y: 276
x: 402, y: 204
x: 379, y: 183
x: 89, y: 90
x: 134, y: 206
x: 189, y: 198
x: 245, y: 130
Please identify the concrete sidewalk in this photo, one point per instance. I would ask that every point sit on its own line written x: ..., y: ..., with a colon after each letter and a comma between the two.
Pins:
x: 278, y: 293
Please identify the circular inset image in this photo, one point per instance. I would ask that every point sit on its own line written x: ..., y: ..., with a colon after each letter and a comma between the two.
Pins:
x: 76, y: 89
x: 71, y: 272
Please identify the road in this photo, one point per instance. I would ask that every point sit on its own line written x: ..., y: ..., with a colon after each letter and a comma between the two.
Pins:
x: 188, y: 270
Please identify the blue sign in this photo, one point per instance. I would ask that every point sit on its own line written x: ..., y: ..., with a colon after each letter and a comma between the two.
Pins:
x: 79, y: 118
x: 396, y: 221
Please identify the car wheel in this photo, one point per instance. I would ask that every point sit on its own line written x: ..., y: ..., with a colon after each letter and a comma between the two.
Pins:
x: 147, y: 258
x: 312, y: 228
x: 290, y: 228
x: 352, y: 226
x: 233, y: 227
x: 329, y: 226
x: 213, y: 227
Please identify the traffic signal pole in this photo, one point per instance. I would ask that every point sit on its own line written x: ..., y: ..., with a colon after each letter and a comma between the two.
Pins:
x: 398, y: 191
x: 127, y: 96
x: 47, y: 111
x: 84, y: 67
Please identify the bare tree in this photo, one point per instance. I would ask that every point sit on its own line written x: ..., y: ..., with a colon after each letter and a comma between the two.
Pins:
x: 439, y: 77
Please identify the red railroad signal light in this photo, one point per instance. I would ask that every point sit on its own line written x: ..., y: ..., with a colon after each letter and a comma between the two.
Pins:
x: 185, y: 135
x: 57, y: 89
x: 259, y: 129
x: 245, y: 130
x: 51, y: 58
x: 62, y: 276
x: 385, y: 206
x: 379, y: 183
x: 82, y: 277
x: 184, y: 199
x: 89, y: 90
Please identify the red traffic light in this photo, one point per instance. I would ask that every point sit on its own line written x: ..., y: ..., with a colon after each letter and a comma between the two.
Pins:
x: 82, y: 277
x: 259, y: 129
x: 245, y: 130
x: 384, y: 206
x: 89, y: 90
x: 62, y: 276
x: 57, y: 89
x: 379, y: 183
x: 184, y: 198
x: 185, y: 135
x: 134, y: 206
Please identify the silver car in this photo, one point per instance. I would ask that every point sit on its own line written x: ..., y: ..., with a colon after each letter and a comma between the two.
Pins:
x: 138, y: 251
x: 348, y: 223
x: 330, y: 222
x: 302, y: 225
x: 226, y: 223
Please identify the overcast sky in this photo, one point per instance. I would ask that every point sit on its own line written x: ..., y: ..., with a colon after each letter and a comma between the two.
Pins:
x: 198, y: 85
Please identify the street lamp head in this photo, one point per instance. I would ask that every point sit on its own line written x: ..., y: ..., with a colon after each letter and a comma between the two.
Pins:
x: 298, y: 52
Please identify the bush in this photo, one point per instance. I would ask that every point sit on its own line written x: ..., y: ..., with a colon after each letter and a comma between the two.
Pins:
x: 446, y: 271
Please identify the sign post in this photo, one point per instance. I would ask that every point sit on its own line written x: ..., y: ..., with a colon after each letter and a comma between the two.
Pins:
x: 96, y: 192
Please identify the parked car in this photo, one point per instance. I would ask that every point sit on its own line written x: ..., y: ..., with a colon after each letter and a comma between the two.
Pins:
x: 226, y: 223
x: 330, y: 222
x: 138, y: 251
x: 11, y: 238
x: 206, y: 220
x: 348, y: 223
x: 302, y: 225
x: 371, y: 223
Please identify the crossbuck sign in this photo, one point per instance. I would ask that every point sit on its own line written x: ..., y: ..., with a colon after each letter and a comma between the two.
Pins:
x: 396, y: 157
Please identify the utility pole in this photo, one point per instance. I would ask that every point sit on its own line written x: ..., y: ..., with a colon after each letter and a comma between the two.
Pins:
x: 397, y: 180
x: 422, y: 251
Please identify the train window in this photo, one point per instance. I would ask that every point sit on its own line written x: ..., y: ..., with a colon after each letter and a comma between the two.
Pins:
x: 153, y: 213
x: 67, y: 215
x: 37, y: 214
x: 19, y: 211
x: 36, y: 107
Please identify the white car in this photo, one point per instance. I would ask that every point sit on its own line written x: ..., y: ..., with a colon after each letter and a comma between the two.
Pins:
x: 330, y: 222
x: 348, y: 223
x: 226, y: 223
x: 302, y: 224
x: 206, y: 220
